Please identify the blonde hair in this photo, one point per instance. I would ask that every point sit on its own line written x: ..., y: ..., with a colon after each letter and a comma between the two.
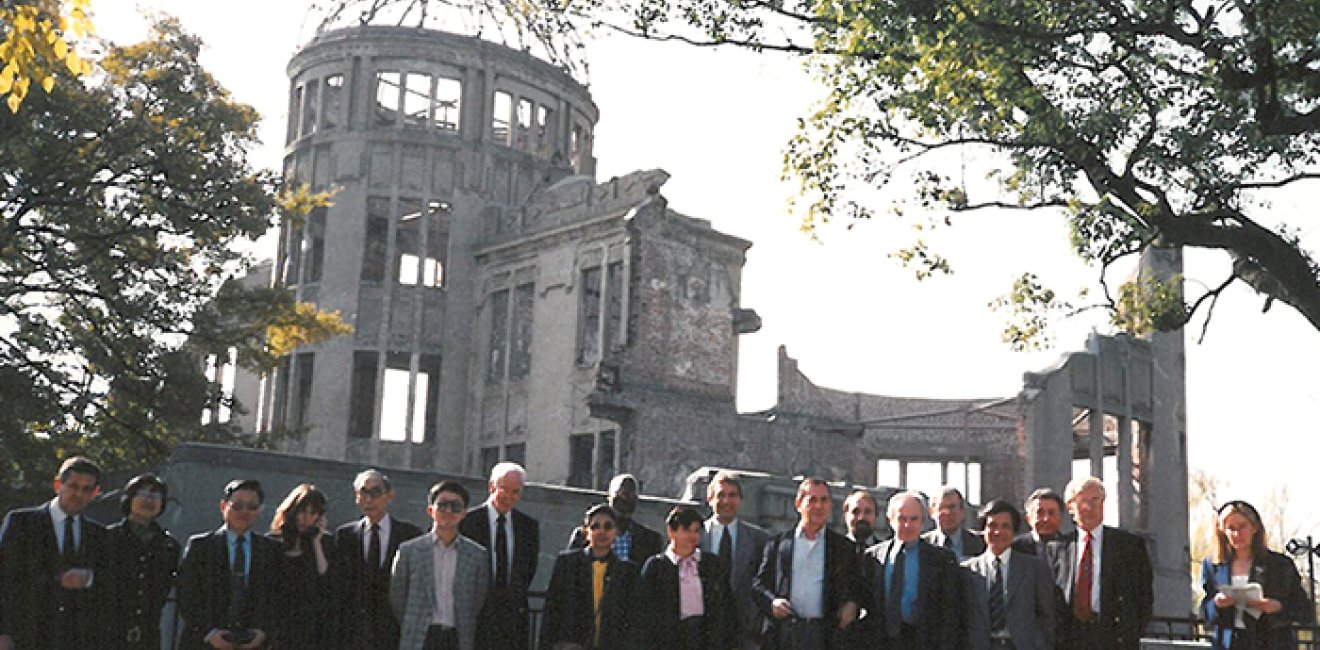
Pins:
x: 1223, y: 552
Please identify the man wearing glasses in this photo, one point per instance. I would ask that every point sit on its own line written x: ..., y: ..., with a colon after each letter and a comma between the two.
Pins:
x: 365, y: 550
x: 227, y: 580
x: 440, y: 579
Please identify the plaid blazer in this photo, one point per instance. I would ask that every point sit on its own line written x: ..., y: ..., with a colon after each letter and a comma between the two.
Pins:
x: 412, y: 589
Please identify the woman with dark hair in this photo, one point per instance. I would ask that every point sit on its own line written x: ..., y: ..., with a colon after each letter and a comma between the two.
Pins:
x: 684, y: 595
x: 299, y: 527
x: 591, y: 601
x: 1238, y: 617
x: 144, y: 561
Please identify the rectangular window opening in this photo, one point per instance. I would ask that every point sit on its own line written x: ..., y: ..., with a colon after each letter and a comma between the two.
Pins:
x: 388, y: 89
x: 295, y: 114
x: 407, y: 243
x: 304, y: 364
x: 605, y: 460
x: 516, y: 453
x: 437, y: 244
x: 310, y: 103
x: 580, y: 448
x: 613, y: 305
x: 524, y: 116
x: 499, y: 123
x: 520, y: 347
x: 499, y: 340
x: 362, y: 404
x: 315, y: 244
x: 331, y: 95
x: 376, y: 240
x: 448, y: 100
x: 589, y: 325
x: 416, y: 99
x: 544, y: 137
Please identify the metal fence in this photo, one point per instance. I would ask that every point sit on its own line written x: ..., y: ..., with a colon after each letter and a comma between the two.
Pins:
x: 1191, y: 628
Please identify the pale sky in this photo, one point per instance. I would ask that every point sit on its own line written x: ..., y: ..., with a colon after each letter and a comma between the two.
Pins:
x: 718, y: 121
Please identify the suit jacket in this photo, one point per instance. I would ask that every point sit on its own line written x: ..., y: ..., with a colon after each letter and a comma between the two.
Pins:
x: 645, y: 542
x: 749, y: 543
x: 30, y: 596
x: 569, y: 614
x: 503, y: 621
x: 774, y: 579
x: 658, y: 598
x: 204, y: 587
x: 1126, y: 591
x: 141, y: 575
x: 1028, y: 606
x: 972, y: 544
x: 1279, y: 580
x: 412, y: 590
x: 361, y: 592
x: 1026, y: 543
x: 938, y: 609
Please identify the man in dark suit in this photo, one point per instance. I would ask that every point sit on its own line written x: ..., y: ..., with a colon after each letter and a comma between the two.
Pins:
x: 50, y: 556
x: 739, y: 544
x: 859, y: 515
x: 949, y: 513
x: 808, y: 590
x: 634, y: 542
x: 684, y: 594
x: 364, y: 555
x: 1105, y: 575
x: 915, y: 596
x: 1044, y: 509
x: 227, y: 579
x: 1010, y: 595
x: 514, y: 542
x: 592, y: 599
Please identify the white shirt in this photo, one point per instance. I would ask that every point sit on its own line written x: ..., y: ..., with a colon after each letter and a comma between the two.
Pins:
x: 57, y: 517
x: 492, y: 516
x: 1004, y: 560
x: 445, y: 565
x: 807, y: 589
x: 717, y: 531
x: 384, y: 524
x: 1097, y: 544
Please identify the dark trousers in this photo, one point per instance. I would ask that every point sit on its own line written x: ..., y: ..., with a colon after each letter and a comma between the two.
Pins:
x: 907, y: 639
x: 692, y: 633
x: 802, y: 634
x: 439, y: 637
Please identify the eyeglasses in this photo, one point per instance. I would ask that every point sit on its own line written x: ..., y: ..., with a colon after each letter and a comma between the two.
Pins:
x: 601, y: 525
x: 244, y: 505
x: 150, y: 496
x: 445, y: 505
x: 372, y: 492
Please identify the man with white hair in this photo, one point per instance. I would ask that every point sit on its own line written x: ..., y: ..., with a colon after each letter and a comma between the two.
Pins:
x: 514, y: 541
x: 915, y: 599
x: 1104, y: 573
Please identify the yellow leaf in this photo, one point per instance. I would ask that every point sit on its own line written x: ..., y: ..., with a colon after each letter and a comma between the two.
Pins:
x: 48, y: 84
x: 75, y: 64
x: 13, y: 102
x: 6, y: 82
x: 61, y: 48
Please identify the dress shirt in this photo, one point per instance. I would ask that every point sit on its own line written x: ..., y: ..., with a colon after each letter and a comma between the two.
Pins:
x: 231, y: 540
x: 384, y: 524
x: 807, y: 592
x: 1004, y: 560
x: 956, y: 541
x: 1097, y: 544
x: 57, y: 517
x: 446, y: 563
x: 717, y: 532
x: 689, y: 583
x: 492, y: 516
x: 911, y: 560
x: 623, y: 547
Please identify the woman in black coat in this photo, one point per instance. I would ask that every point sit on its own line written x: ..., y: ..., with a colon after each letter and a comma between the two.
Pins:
x: 143, y: 562
x: 572, y: 620
x: 304, y: 571
x: 670, y: 621
x: 1241, y: 557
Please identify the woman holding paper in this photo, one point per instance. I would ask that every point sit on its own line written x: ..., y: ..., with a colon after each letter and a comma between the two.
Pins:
x: 1252, y: 595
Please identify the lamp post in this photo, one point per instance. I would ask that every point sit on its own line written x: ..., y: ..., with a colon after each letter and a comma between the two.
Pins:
x: 1297, y: 547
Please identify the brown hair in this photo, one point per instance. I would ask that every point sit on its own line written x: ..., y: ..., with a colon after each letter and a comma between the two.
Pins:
x: 303, y: 497
x: 1223, y: 553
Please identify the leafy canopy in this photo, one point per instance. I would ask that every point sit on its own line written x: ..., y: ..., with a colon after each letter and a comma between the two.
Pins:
x: 121, y: 202
x: 1144, y: 123
x: 36, y: 43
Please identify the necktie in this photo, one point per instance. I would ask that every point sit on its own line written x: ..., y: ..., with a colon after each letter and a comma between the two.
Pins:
x: 894, y: 602
x: 240, y: 558
x: 238, y: 584
x: 70, y: 544
x: 726, y: 547
x: 1082, y: 592
x: 501, y: 553
x: 373, y: 549
x: 997, y: 598
x: 948, y: 542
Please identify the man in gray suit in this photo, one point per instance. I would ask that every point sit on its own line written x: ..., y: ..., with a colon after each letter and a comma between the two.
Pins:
x: 739, y: 544
x: 949, y: 511
x: 1010, y: 594
x: 443, y: 616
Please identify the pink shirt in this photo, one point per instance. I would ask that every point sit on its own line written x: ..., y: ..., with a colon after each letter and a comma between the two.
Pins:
x: 689, y: 583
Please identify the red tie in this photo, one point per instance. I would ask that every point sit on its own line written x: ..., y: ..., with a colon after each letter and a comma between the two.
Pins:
x: 1082, y: 593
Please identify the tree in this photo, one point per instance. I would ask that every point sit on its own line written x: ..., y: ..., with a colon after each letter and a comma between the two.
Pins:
x: 1144, y: 123
x: 121, y: 202
x: 36, y: 43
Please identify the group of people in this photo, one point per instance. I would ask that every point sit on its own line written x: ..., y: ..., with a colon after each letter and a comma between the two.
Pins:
x: 715, y: 583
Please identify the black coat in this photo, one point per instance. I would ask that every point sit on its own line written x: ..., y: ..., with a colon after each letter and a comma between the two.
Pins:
x: 204, y: 588
x: 645, y: 542
x: 660, y: 606
x: 1126, y: 589
x: 938, y: 610
x: 774, y: 579
x: 503, y: 623
x: 569, y: 612
x: 306, y: 597
x: 30, y: 597
x: 362, y: 593
x: 141, y: 574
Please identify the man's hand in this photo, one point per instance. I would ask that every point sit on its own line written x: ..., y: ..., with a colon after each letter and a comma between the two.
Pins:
x: 258, y: 638
x: 1224, y: 601
x: 76, y: 579
x: 847, y: 614
x: 218, y: 639
x: 781, y: 608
